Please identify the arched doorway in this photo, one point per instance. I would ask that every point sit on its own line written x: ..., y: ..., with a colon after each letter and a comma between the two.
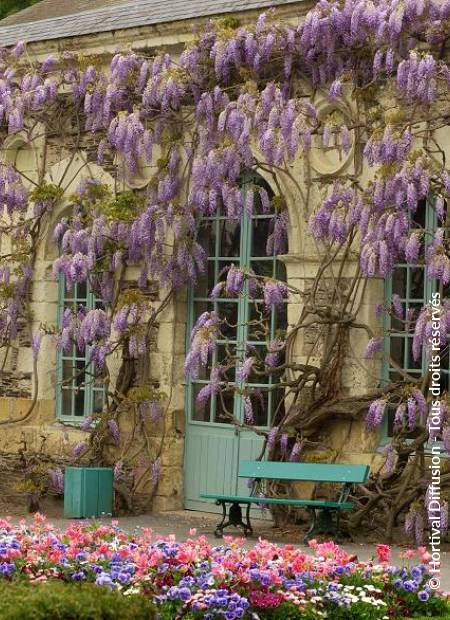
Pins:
x: 214, y: 445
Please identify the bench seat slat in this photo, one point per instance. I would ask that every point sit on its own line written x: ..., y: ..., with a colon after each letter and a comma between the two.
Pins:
x: 308, y: 472
x: 314, y: 503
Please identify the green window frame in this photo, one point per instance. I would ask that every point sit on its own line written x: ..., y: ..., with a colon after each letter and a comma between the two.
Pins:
x: 415, y: 290
x: 240, y: 311
x: 79, y: 392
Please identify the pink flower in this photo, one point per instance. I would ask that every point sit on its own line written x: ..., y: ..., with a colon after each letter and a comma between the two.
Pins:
x: 384, y: 553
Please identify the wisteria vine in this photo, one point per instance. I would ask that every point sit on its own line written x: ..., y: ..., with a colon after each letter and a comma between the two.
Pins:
x: 243, y: 98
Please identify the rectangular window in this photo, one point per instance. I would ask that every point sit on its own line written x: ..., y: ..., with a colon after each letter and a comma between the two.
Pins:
x: 408, y: 286
x: 79, y: 391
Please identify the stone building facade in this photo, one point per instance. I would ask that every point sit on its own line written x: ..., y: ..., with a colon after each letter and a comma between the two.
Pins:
x: 53, y: 26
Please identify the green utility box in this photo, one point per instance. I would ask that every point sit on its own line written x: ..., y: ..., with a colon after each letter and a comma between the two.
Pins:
x: 88, y: 492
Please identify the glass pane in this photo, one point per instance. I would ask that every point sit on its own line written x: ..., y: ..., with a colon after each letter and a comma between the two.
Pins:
x: 416, y: 283
x: 390, y: 412
x: 206, y: 280
x: 97, y: 401
x: 259, y: 322
x: 410, y: 362
x: 207, y: 237
x: 258, y: 374
x: 226, y: 355
x: 224, y: 407
x: 281, y: 319
x: 200, y: 307
x: 66, y: 402
x: 200, y: 411
x: 397, y: 324
x: 444, y: 381
x: 419, y: 217
x: 81, y: 290
x: 397, y: 350
x: 79, y: 403
x: 263, y: 267
x: 399, y: 282
x: 80, y: 375
x: 68, y: 372
x: 228, y: 310
x: 229, y: 238
x: 280, y: 271
x: 260, y: 404
x: 261, y: 229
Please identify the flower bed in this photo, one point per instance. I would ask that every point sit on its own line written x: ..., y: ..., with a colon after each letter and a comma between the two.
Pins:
x: 193, y: 579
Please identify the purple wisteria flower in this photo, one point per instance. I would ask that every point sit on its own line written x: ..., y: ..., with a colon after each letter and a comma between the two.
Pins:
x: 295, y: 452
x: 235, y: 281
x: 275, y: 293
x: 244, y: 370
x: 375, y: 413
x: 373, y: 347
x: 57, y: 478
x: 114, y: 430
x: 79, y: 448
x: 86, y: 425
x: 36, y: 340
x: 272, y: 437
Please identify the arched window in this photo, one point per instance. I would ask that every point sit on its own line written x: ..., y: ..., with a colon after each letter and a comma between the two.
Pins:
x: 79, y: 391
x: 249, y: 324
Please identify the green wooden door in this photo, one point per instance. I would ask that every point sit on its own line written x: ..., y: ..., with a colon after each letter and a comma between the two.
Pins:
x: 214, y: 445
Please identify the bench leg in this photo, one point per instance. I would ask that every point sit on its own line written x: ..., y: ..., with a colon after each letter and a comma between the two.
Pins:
x: 218, y: 532
x: 312, y: 528
x: 324, y: 524
x: 234, y: 518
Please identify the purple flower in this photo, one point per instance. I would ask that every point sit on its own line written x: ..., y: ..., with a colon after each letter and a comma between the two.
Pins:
x: 335, y: 89
x: 114, y: 430
x: 86, y: 425
x: 36, y: 339
x: 397, y: 306
x: 412, y: 413
x: 390, y: 459
x: 18, y: 49
x: 272, y: 437
x: 79, y: 449
x: 244, y: 370
x: 375, y: 413
x: 295, y: 452
x: 248, y: 410
x: 118, y: 470
x: 274, y: 293
x: 373, y: 347
x: 235, y: 281
x: 57, y: 478
x: 156, y: 471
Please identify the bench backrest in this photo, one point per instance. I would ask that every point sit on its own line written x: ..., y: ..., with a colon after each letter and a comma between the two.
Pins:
x: 311, y: 472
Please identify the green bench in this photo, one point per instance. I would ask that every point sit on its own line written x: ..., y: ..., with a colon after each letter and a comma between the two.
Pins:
x: 323, y: 523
